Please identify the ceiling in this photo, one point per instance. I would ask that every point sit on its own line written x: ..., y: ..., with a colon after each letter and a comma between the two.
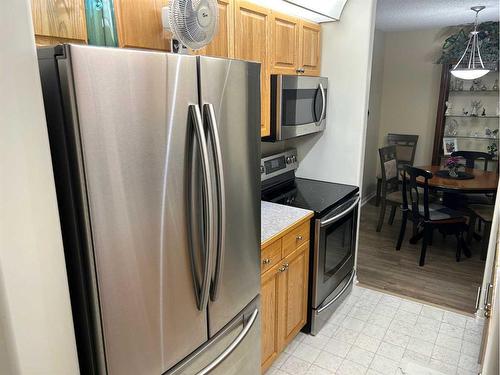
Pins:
x: 399, y: 15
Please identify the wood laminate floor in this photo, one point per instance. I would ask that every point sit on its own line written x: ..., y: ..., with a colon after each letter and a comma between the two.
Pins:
x: 442, y: 281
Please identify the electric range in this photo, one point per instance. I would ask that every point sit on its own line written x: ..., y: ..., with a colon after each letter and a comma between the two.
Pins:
x: 333, y: 231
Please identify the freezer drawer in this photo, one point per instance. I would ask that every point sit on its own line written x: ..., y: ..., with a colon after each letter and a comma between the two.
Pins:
x: 235, y: 350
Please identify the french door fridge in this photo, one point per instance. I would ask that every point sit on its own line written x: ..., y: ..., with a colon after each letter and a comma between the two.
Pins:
x: 156, y: 162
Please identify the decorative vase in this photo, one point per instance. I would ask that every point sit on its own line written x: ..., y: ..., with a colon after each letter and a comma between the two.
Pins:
x: 453, y: 172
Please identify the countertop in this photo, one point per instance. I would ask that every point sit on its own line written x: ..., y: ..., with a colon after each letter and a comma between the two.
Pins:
x: 275, y: 218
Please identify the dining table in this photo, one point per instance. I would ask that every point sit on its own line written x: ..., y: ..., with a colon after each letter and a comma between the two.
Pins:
x: 483, y: 182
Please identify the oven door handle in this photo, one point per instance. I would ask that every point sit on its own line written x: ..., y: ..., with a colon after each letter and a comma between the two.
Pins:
x: 340, y: 215
x: 322, y: 308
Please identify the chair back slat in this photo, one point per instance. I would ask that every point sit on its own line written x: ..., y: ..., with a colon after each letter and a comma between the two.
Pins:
x: 388, y: 164
x: 410, y: 188
x: 471, y: 157
x: 406, y: 146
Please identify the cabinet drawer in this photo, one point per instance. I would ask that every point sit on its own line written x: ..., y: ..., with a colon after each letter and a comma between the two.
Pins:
x: 295, y: 238
x: 270, y: 256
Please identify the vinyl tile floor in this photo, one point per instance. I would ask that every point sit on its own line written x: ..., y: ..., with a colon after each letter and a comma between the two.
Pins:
x: 375, y: 333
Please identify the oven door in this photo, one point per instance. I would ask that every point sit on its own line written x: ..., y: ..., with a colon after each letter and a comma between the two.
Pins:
x: 300, y: 106
x: 334, y: 247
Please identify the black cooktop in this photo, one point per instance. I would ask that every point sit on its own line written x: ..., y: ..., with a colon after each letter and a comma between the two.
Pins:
x: 314, y: 195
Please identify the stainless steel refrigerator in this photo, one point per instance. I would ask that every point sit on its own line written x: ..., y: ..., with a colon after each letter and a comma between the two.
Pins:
x: 156, y: 163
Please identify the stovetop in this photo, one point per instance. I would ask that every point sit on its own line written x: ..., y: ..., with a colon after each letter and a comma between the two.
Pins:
x: 314, y: 195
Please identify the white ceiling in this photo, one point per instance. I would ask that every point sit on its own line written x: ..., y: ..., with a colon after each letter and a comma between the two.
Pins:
x: 398, y: 15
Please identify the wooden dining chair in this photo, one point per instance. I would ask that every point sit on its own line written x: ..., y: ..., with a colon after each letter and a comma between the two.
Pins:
x: 485, y: 214
x: 406, y: 147
x: 426, y: 216
x: 390, y: 194
x: 471, y: 157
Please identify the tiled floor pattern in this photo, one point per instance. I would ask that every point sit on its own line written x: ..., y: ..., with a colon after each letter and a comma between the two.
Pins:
x: 375, y: 333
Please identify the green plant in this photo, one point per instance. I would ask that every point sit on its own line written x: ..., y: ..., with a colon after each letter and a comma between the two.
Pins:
x: 455, y: 44
x: 492, y: 149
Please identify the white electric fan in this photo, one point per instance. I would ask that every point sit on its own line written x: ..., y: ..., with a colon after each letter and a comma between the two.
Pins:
x: 193, y: 23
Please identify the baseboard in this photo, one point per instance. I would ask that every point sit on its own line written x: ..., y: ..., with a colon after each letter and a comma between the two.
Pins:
x: 367, y: 198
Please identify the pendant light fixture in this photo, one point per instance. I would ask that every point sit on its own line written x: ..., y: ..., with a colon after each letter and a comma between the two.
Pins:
x: 475, y: 68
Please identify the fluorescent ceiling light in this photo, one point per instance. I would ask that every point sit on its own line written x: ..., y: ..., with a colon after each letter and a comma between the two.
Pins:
x: 313, y: 10
x: 329, y: 9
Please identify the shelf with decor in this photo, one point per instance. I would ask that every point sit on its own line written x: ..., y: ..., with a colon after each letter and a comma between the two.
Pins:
x: 474, y: 92
x: 472, y: 117
x: 473, y: 137
x: 468, y: 111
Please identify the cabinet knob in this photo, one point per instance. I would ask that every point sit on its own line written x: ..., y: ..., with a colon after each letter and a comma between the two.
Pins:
x: 266, y: 261
x: 286, y: 266
x: 299, y: 238
x: 281, y: 269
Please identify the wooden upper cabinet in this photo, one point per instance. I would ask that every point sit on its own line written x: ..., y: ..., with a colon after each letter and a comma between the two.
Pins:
x: 251, y: 43
x: 293, y: 294
x: 310, y: 48
x: 284, y: 44
x: 223, y: 43
x: 139, y: 24
x: 59, y: 21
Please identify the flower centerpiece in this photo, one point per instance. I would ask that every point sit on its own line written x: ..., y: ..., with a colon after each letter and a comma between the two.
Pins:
x: 453, y: 164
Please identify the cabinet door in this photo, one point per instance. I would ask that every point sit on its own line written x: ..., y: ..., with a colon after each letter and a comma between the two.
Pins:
x: 58, y: 21
x: 223, y: 43
x: 251, y: 43
x: 139, y: 24
x: 269, y: 315
x: 310, y: 47
x: 284, y: 44
x: 293, y: 294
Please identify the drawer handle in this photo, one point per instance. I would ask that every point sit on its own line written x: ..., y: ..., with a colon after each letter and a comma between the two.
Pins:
x: 266, y: 261
x: 299, y: 238
x: 282, y: 269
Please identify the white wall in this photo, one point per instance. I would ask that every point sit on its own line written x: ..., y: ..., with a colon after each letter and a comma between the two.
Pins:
x: 336, y: 154
x: 373, y: 124
x: 36, y: 328
x: 411, y: 87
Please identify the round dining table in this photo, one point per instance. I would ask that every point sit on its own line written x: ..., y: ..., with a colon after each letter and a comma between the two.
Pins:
x: 483, y: 182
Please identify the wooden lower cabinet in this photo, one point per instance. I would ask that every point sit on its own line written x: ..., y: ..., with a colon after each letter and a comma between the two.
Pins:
x: 293, y: 296
x: 270, y: 290
x: 283, y: 297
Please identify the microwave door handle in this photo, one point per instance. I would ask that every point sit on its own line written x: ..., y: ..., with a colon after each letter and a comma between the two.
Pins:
x: 208, y: 110
x: 323, y: 104
x: 340, y: 215
x: 209, y: 236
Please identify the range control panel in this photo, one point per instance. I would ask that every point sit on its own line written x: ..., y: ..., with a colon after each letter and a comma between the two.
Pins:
x: 277, y: 164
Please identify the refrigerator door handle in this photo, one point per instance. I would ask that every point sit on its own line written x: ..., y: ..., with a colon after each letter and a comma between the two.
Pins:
x: 232, y: 346
x: 208, y: 111
x: 202, y: 294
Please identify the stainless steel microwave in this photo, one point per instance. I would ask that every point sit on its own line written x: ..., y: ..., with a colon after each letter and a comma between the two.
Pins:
x: 298, y: 106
